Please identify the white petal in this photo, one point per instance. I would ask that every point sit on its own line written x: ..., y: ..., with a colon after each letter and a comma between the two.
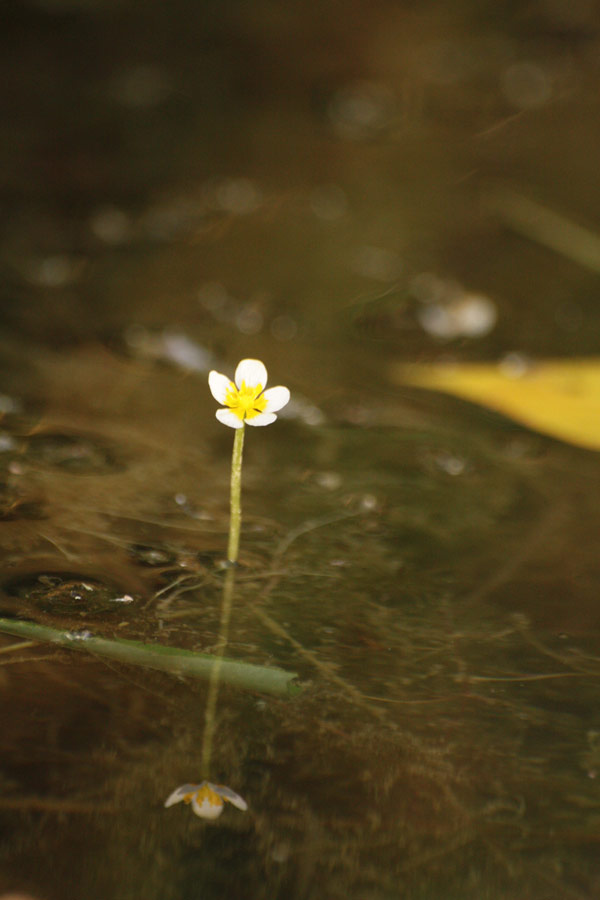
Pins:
x: 207, y: 810
x: 228, y: 417
x: 277, y: 398
x: 262, y: 419
x: 230, y: 795
x: 252, y: 372
x: 180, y: 792
x: 219, y: 385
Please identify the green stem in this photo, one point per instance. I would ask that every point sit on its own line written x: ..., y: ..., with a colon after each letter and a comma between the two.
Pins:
x: 264, y: 679
x: 235, y: 523
x: 210, y: 715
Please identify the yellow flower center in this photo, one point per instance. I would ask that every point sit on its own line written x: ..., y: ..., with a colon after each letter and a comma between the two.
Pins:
x: 245, y: 402
x: 205, y: 793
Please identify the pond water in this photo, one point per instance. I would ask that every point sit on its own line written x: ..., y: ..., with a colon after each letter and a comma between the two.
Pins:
x: 189, y: 184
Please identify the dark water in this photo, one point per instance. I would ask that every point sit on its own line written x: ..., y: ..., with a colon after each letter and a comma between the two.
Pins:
x: 185, y: 185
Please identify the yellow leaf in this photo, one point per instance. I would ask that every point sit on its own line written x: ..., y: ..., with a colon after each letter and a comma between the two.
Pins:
x: 557, y: 397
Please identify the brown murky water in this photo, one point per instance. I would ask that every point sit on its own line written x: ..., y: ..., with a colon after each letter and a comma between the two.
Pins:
x: 185, y: 186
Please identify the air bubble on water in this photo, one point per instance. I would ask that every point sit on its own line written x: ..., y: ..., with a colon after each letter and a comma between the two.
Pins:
x: 9, y: 405
x: 526, y: 85
x: 237, y: 196
x: 168, y: 218
x: 184, y: 503
x: 213, y: 296
x: 284, y: 328
x: 249, y: 320
x: 427, y: 287
x: 78, y: 635
x: 377, y: 263
x: 442, y: 62
x: 280, y: 853
x: 58, y: 270
x: 142, y: 86
x: 464, y: 315
x: 329, y: 481
x: 450, y: 464
x: 328, y: 202
x: 111, y: 225
x: 514, y: 365
x: 361, y: 110
x: 369, y: 503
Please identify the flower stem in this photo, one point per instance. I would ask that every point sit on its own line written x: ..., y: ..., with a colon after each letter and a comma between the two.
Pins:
x: 213, y: 683
x: 235, y: 522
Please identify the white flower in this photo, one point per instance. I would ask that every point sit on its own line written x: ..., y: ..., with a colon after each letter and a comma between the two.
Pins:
x: 206, y: 798
x: 245, y: 399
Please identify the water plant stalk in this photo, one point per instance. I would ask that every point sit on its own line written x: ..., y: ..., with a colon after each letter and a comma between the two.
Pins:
x: 235, y: 501
x: 233, y: 546
x: 187, y: 663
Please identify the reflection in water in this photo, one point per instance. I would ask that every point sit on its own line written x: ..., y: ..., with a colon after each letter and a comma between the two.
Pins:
x: 206, y: 799
x: 186, y: 186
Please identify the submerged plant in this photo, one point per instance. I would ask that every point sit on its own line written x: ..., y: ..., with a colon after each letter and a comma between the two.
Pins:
x: 244, y: 400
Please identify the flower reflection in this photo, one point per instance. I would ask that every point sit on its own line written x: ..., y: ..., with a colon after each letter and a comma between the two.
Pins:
x: 206, y: 799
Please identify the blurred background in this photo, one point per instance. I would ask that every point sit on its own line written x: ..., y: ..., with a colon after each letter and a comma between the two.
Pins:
x: 338, y: 189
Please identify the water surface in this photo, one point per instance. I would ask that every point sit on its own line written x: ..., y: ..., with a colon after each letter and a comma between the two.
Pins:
x: 184, y: 187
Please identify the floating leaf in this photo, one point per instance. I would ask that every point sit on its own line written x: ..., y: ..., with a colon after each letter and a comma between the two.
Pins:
x: 556, y: 397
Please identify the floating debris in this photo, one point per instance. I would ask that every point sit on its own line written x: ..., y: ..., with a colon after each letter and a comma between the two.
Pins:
x: 68, y: 594
x: 558, y: 397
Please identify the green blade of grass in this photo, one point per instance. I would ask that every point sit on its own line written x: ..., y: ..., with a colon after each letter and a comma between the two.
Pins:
x: 264, y: 679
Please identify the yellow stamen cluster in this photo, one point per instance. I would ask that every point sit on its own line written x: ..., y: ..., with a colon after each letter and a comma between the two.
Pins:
x: 245, y: 402
x: 205, y: 793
